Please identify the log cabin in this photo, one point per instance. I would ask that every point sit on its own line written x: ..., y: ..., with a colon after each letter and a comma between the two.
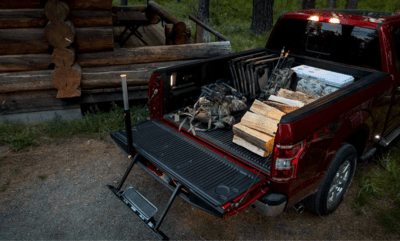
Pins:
x: 57, y: 55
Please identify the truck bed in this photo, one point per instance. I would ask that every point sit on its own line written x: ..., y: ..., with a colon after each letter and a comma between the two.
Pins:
x: 223, y: 139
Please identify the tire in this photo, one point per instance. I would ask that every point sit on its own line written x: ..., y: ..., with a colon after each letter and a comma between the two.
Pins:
x: 337, y: 180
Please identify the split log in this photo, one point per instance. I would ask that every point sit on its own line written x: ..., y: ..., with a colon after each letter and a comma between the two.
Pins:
x: 141, y: 8
x: 91, y: 18
x: 25, y: 62
x: 32, y: 101
x: 92, y: 78
x: 22, y: 18
x: 60, y: 34
x: 257, y: 138
x: 90, y: 4
x: 94, y: 39
x: 241, y: 142
x: 63, y: 57
x: 73, y: 4
x: 179, y: 25
x: 295, y: 96
x: 12, y: 63
x: 260, y: 123
x: 154, y: 54
x: 56, y: 10
x: 265, y: 110
x: 36, y: 18
x: 290, y: 102
x: 169, y: 30
x: 188, y: 29
x: 282, y: 107
x: 23, y: 41
x: 67, y: 81
x: 181, y: 38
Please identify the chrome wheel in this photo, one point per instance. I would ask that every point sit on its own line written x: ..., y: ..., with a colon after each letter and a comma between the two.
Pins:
x: 337, y: 188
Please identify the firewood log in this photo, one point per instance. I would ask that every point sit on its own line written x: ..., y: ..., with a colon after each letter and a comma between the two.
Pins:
x: 263, y: 109
x: 260, y: 123
x: 286, y: 101
x: 257, y: 138
x: 242, y: 142
x: 295, y: 96
x: 282, y: 107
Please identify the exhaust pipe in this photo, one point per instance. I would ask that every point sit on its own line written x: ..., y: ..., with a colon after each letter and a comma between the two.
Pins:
x: 127, y: 114
x: 299, y: 207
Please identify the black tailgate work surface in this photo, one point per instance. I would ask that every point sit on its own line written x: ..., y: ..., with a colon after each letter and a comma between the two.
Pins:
x: 205, y: 172
x: 223, y: 139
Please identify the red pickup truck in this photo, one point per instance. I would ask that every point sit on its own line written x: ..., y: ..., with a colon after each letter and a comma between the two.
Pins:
x: 316, y: 147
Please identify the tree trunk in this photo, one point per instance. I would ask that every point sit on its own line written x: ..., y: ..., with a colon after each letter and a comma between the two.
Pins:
x: 331, y: 3
x: 203, y: 15
x: 262, y: 19
x: 351, y: 4
x: 308, y: 4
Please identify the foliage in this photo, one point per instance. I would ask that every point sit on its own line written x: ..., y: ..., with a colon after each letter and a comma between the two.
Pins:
x: 18, y: 136
x: 94, y: 124
x: 382, y: 182
x: 42, y: 177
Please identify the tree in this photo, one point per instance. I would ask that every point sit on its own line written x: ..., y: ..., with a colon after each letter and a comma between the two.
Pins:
x: 203, y: 14
x: 351, y: 4
x: 308, y: 4
x: 262, y: 19
x: 331, y: 4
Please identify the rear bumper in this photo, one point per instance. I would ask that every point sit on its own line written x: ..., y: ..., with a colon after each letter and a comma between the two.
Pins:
x: 271, y: 204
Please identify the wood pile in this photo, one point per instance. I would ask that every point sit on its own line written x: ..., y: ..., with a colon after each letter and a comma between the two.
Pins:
x: 257, y: 128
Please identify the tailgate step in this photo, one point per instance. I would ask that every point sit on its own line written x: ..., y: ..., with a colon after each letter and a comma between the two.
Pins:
x: 207, y: 174
x: 140, y: 204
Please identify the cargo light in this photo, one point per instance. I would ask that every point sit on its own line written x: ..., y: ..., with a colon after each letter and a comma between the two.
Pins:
x: 334, y: 20
x: 313, y: 18
x: 286, y: 158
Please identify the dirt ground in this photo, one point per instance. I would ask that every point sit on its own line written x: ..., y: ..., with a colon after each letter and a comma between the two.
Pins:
x: 73, y: 202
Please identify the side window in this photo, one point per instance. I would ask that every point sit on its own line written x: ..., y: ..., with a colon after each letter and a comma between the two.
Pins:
x: 396, y: 34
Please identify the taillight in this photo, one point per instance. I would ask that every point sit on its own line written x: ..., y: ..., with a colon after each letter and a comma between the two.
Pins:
x: 285, y: 160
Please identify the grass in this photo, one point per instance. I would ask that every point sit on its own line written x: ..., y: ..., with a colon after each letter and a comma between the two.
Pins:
x: 15, y: 170
x: 4, y: 188
x: 42, y: 177
x: 94, y: 124
x: 381, y: 183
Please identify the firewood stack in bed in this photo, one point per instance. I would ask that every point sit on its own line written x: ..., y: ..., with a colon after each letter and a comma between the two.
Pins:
x: 257, y: 128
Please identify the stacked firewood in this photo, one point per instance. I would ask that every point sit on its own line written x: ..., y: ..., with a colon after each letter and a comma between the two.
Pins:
x: 60, y: 34
x: 257, y: 128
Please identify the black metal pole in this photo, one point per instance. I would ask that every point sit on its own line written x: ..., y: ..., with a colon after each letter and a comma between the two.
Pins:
x: 127, y: 172
x: 127, y: 115
x: 168, y: 206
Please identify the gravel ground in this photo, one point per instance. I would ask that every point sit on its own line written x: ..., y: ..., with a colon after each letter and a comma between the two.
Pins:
x: 73, y: 202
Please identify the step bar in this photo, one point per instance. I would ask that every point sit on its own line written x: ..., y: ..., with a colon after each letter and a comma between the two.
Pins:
x: 143, y: 208
x: 385, y: 141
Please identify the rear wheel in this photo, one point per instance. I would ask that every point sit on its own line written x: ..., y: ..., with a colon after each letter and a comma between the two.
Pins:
x: 336, y: 182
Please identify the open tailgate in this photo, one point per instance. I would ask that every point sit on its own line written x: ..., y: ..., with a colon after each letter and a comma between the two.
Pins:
x: 208, y: 175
